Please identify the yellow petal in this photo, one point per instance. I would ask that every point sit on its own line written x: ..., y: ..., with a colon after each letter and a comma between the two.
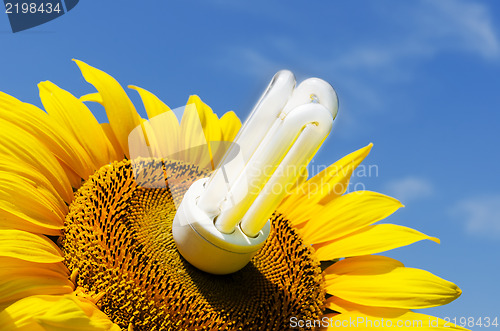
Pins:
x: 369, y: 240
x: 30, y: 173
x: 383, y: 282
x: 122, y: 115
x: 117, y: 149
x: 162, y: 121
x: 360, y: 317
x: 343, y: 306
x: 213, y: 128
x: 28, y: 247
x: 214, y: 134
x: 52, y: 312
x: 77, y: 118
x: 167, y: 130
x: 407, y: 321
x: 18, y: 283
x: 375, y: 264
x: 322, y: 188
x: 338, y: 175
x: 27, y: 206
x: 347, y: 214
x: 36, y: 123
x: 202, y: 108
x: 92, y: 97
x: 18, y: 144
x: 98, y: 320
x: 210, y: 125
x: 193, y: 145
x: 152, y: 104
x: 230, y: 125
x: 144, y: 135
x: 31, y: 267
x: 75, y: 180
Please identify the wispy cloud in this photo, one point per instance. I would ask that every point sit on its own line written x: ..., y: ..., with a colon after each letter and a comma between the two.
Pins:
x: 432, y: 27
x: 466, y: 25
x: 413, y: 32
x: 410, y: 188
x: 368, y: 69
x: 255, y: 62
x: 481, y: 215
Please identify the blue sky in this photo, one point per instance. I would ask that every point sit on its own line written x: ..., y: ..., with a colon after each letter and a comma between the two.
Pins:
x: 419, y: 79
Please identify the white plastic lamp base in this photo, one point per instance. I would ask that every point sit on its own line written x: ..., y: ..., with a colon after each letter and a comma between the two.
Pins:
x: 205, y: 247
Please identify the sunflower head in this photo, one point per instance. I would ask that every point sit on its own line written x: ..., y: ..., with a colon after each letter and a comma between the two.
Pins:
x: 86, y: 228
x: 118, y: 236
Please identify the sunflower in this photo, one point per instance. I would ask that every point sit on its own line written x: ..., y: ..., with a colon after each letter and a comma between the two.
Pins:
x: 86, y: 240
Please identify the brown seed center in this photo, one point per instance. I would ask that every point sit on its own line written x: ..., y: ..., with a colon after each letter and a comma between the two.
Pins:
x: 118, y: 235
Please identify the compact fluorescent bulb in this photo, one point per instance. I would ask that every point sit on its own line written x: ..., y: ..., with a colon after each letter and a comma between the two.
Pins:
x: 223, y: 220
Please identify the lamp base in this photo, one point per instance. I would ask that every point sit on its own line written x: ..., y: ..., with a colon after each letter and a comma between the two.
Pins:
x: 203, y: 245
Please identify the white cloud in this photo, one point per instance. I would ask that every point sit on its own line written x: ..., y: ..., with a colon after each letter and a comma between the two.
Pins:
x: 481, y: 215
x: 419, y: 30
x: 434, y: 27
x: 427, y: 28
x: 466, y: 24
x: 410, y: 188
x: 255, y: 63
x: 366, y: 69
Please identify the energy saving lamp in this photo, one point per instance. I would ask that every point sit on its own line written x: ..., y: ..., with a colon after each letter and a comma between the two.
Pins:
x: 223, y: 220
